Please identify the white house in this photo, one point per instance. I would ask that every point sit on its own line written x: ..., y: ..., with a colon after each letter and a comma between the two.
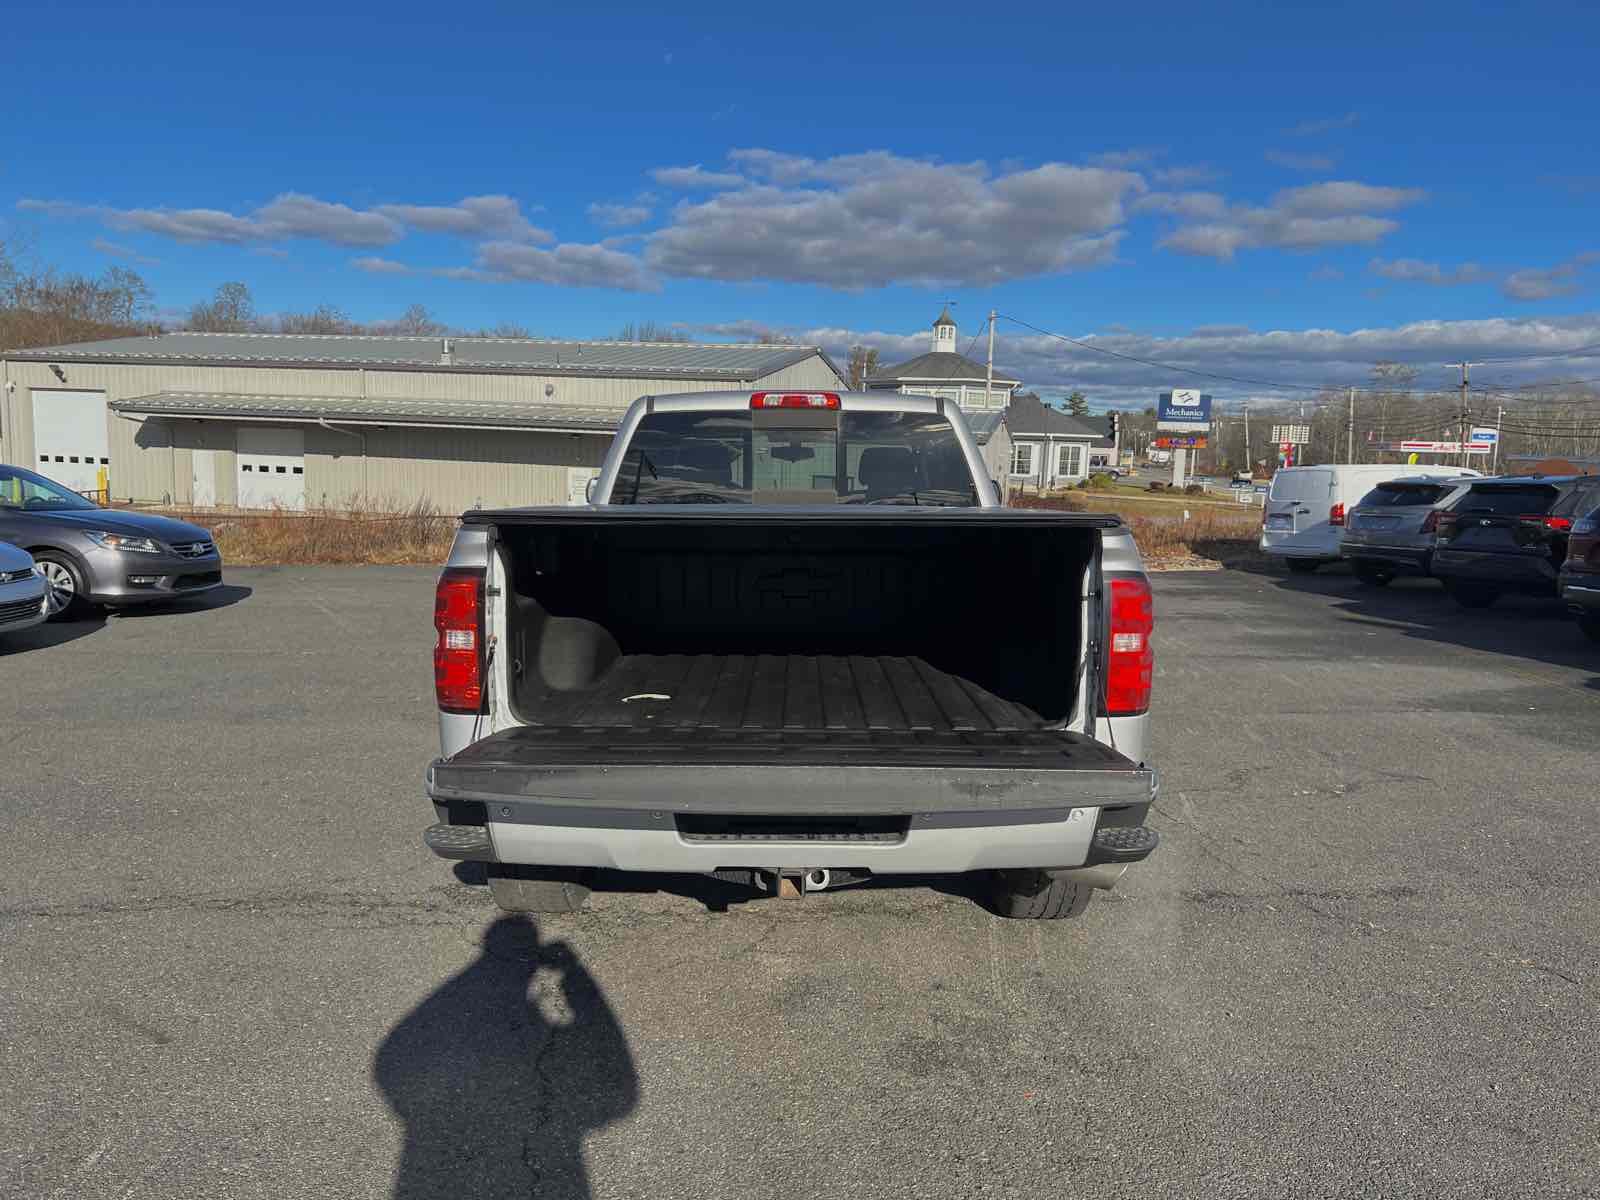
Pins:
x: 1050, y: 448
x: 946, y: 373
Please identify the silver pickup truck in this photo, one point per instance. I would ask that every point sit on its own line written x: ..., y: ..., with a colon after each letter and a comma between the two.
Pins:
x: 794, y: 642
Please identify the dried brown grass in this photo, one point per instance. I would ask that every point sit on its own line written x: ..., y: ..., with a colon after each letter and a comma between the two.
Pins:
x: 360, y: 532
x: 1212, y: 533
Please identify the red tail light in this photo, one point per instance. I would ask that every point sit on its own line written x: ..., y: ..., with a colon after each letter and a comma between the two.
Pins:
x: 1336, y: 515
x: 1558, y: 523
x: 794, y: 400
x: 458, y: 654
x: 1430, y: 523
x: 1446, y: 524
x: 1131, y: 660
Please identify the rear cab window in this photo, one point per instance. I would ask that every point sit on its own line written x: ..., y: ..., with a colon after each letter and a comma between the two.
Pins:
x: 1582, y: 497
x: 795, y: 457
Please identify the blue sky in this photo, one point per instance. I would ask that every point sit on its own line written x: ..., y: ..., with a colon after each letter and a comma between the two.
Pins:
x: 1183, y: 181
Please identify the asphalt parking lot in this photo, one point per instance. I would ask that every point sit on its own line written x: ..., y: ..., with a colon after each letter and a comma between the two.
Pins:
x: 1365, y: 961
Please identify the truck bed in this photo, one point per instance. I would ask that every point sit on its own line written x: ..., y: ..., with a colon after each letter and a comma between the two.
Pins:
x: 714, y: 692
x: 788, y: 734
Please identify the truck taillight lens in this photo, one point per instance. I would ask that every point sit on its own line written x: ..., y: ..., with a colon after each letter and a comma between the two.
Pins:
x: 794, y: 400
x: 1336, y: 515
x: 1560, y: 524
x: 1445, y: 525
x: 1131, y: 661
x: 458, y: 654
x: 1430, y: 523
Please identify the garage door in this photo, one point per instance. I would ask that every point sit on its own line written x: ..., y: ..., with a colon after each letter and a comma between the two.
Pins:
x: 69, y: 437
x: 272, y: 468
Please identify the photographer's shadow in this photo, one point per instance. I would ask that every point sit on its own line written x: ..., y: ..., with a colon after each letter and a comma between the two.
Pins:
x: 501, y: 1073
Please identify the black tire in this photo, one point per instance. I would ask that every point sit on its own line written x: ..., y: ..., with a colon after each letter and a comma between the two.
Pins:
x: 1038, y: 896
x: 1371, y: 574
x: 1591, y: 627
x: 1473, y: 595
x: 539, y: 889
x: 65, y: 586
x: 1302, y: 566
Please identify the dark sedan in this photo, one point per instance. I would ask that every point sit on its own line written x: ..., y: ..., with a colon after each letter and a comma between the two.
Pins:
x: 91, y: 555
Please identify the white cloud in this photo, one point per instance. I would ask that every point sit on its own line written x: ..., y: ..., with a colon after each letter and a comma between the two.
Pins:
x: 619, y: 216
x: 1309, y: 357
x: 1336, y: 213
x: 115, y: 250
x: 568, y: 265
x: 869, y: 220
x: 1338, y: 197
x: 1324, y: 125
x: 696, y: 178
x: 296, y: 215
x: 380, y: 266
x: 1300, y: 162
x: 1415, y: 270
x: 1547, y: 283
x: 470, y: 217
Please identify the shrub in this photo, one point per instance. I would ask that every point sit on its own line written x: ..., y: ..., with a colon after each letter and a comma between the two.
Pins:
x: 1193, y: 489
x: 1100, y: 482
x: 1157, y: 485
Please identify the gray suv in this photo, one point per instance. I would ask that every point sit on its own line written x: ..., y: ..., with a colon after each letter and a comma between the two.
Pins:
x: 93, y: 555
x: 1394, y: 528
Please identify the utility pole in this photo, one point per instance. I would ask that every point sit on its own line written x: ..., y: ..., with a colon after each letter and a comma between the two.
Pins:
x: 1465, y: 376
x: 988, y: 379
x: 1351, y: 456
x: 1499, y: 432
x: 1249, y: 463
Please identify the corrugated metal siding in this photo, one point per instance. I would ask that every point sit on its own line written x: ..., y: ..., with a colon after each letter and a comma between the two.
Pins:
x: 449, y: 467
x: 812, y: 373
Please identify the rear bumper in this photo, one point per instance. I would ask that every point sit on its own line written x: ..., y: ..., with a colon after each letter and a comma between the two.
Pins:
x: 1581, y: 592
x: 1511, y: 572
x: 1401, y: 557
x: 632, y: 820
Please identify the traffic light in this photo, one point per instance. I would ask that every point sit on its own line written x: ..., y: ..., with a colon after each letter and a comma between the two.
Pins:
x: 1111, y: 426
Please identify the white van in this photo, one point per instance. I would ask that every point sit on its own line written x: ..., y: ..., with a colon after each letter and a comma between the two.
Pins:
x: 1303, y: 517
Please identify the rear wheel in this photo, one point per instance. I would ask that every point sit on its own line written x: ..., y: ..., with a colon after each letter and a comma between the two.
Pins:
x: 1474, y: 595
x: 517, y: 888
x: 1372, y: 574
x: 64, y: 586
x: 1302, y: 566
x: 1591, y: 627
x: 1037, y: 896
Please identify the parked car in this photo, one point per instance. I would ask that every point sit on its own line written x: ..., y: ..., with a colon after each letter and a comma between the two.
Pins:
x: 1579, y: 582
x: 740, y: 661
x: 1303, y: 518
x: 1392, y: 530
x: 90, y: 555
x: 22, y: 599
x: 1510, y: 535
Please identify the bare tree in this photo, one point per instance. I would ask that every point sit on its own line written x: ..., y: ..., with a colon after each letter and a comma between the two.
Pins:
x: 506, y: 329
x: 650, y: 331
x: 863, y: 362
x: 41, y: 307
x: 417, y: 320
x: 230, y: 310
x: 325, y: 318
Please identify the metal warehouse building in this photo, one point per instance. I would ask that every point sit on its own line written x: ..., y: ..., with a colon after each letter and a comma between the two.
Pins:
x: 295, y: 420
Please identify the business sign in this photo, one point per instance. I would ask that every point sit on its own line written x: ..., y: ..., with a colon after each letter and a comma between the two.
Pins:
x: 1418, y: 447
x: 1184, y: 411
x: 1488, y: 437
x: 1187, y: 441
x: 1294, y: 435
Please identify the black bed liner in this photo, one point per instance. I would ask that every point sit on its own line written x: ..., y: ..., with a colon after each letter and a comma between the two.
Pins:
x: 664, y: 693
x: 789, y: 734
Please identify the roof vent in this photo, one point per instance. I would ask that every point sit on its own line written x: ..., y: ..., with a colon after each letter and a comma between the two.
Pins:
x: 445, y: 358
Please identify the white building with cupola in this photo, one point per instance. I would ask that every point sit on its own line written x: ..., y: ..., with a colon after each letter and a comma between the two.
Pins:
x: 946, y: 373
